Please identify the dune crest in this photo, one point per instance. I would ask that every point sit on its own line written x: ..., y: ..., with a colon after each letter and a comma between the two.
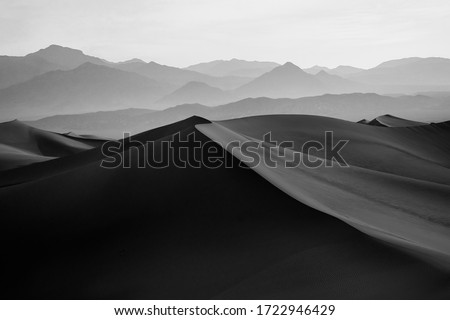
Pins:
x: 391, y: 121
x: 399, y: 206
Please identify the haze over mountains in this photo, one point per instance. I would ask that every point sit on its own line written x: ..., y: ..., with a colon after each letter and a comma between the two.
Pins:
x: 14, y: 70
x: 339, y: 70
x: 409, y: 71
x: 59, y: 80
x: 83, y: 89
x: 234, y: 67
x: 177, y: 76
x: 196, y: 92
x: 351, y: 107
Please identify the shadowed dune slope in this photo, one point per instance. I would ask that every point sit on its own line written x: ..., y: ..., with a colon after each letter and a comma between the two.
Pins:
x: 187, y: 233
x: 22, y: 145
x: 41, y: 170
x: 395, y: 186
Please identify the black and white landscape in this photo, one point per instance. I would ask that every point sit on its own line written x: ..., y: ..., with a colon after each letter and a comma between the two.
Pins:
x: 142, y: 180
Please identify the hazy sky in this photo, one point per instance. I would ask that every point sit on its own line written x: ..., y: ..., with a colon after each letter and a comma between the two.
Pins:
x: 176, y: 32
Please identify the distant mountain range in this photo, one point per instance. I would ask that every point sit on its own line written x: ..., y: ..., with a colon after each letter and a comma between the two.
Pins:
x: 409, y: 71
x: 66, y: 58
x: 84, y: 89
x: 15, y: 70
x: 289, y: 81
x: 345, y: 106
x: 234, y: 67
x: 286, y: 81
x: 196, y: 92
x: 179, y: 77
x: 59, y: 80
x: 56, y: 57
x: 412, y: 71
x: 340, y: 70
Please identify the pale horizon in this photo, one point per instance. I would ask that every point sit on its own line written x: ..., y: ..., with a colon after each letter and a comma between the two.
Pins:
x: 180, y: 34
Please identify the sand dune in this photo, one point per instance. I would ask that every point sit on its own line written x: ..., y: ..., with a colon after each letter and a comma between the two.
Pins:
x: 405, y: 202
x: 13, y: 157
x: 59, y: 165
x: 392, y: 121
x: 22, y: 145
x: 88, y: 232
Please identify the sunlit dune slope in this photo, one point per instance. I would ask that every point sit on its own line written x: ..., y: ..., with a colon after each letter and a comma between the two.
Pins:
x: 395, y: 187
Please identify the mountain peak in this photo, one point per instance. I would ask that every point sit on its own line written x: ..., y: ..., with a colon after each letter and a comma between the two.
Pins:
x: 66, y: 58
x: 287, y: 81
x: 134, y: 60
x: 55, y: 48
x: 290, y: 65
x: 287, y: 68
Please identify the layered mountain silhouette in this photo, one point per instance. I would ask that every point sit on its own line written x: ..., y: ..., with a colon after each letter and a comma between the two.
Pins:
x: 15, y: 70
x: 66, y: 58
x: 234, y: 67
x: 286, y: 81
x: 89, y: 87
x: 49, y: 82
x: 290, y: 81
x: 408, y: 71
x: 337, y: 84
x: 196, y: 92
x: 345, y: 106
x: 180, y: 77
x: 342, y: 71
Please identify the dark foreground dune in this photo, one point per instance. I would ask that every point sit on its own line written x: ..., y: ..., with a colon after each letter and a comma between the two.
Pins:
x: 71, y: 229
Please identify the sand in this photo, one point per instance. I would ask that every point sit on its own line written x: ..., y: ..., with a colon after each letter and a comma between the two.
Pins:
x: 85, y: 232
x: 22, y: 145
